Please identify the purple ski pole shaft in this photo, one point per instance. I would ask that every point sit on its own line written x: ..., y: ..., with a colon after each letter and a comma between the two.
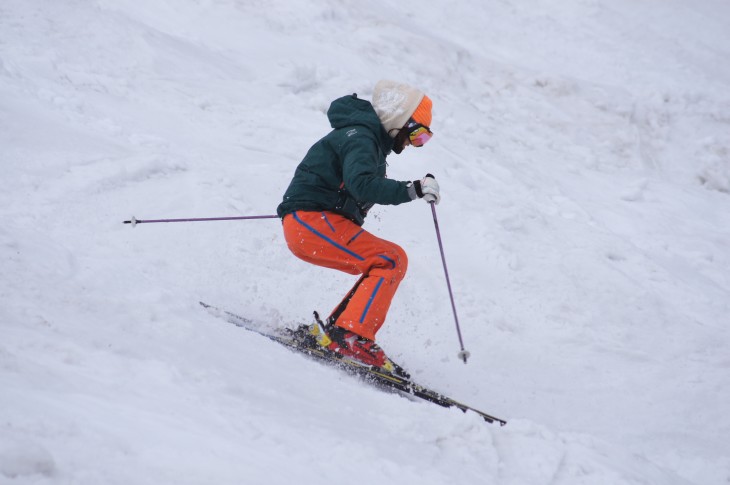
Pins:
x: 134, y: 221
x: 463, y: 354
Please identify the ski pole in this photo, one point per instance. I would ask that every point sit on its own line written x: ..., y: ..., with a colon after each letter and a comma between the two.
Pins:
x: 463, y: 353
x: 134, y: 221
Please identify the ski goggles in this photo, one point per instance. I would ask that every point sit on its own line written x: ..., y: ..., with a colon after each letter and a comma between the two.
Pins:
x: 418, y: 134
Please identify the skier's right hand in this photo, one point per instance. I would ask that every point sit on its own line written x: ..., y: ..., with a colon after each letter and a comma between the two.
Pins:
x: 427, y: 189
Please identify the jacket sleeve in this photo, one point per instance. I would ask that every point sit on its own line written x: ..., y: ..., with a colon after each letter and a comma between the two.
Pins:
x: 363, y: 171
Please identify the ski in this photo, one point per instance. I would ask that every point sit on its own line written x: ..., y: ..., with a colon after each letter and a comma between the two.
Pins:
x: 371, y: 374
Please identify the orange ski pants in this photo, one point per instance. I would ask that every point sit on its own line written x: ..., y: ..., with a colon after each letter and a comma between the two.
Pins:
x: 334, y: 241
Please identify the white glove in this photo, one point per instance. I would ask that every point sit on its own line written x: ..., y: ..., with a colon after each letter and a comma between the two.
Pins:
x: 427, y: 189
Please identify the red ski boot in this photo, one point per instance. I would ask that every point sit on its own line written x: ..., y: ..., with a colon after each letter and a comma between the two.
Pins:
x: 361, y: 349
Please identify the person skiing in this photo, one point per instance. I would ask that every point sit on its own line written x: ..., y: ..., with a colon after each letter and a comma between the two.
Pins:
x: 341, y: 177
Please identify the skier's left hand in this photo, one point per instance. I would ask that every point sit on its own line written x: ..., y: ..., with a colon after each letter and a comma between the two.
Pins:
x: 427, y: 189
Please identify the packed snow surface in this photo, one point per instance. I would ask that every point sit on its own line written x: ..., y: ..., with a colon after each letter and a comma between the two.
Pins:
x: 583, y: 151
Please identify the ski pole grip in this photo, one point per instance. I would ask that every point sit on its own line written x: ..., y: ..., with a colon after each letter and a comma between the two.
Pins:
x: 430, y: 198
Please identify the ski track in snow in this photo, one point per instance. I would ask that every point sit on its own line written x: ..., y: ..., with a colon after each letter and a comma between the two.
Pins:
x: 583, y: 152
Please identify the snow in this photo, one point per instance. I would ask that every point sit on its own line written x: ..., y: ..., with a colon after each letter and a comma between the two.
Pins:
x: 583, y: 152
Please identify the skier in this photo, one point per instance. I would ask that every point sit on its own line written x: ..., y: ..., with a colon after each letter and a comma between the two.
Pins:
x: 341, y: 177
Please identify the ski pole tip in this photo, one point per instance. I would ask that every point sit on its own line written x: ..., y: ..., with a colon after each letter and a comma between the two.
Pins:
x: 464, y: 355
x: 132, y: 221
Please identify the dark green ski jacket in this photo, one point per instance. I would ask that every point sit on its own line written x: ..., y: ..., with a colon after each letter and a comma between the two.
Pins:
x: 344, y: 172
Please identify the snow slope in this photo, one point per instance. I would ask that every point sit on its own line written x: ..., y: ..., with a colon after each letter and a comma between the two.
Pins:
x: 583, y: 151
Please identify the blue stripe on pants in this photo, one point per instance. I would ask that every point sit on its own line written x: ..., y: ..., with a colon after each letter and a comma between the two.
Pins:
x: 370, y: 301
x: 316, y: 232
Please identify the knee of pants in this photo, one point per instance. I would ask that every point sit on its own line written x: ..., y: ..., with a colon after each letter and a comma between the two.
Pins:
x: 399, y: 260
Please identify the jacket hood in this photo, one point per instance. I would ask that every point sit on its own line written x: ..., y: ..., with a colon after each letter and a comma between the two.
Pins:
x: 350, y: 110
